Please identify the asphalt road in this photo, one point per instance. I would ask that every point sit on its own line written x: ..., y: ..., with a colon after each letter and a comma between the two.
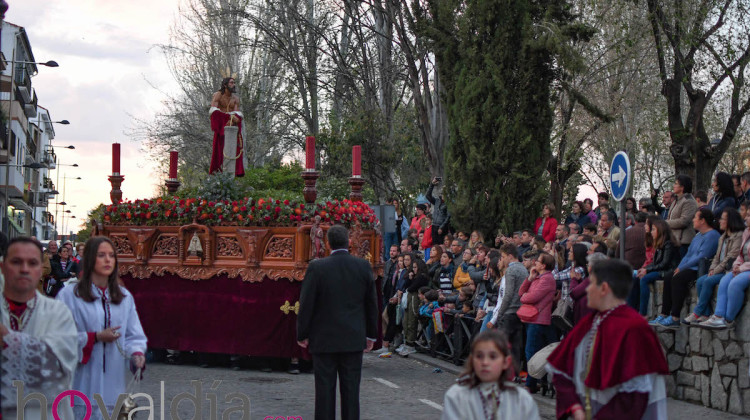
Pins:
x: 391, y: 389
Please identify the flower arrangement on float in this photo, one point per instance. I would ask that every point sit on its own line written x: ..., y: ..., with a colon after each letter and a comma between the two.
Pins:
x: 249, y: 211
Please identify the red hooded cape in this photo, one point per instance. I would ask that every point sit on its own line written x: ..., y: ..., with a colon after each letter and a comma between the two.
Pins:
x: 626, y: 347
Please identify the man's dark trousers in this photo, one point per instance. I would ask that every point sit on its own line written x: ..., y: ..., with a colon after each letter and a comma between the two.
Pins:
x: 348, y: 368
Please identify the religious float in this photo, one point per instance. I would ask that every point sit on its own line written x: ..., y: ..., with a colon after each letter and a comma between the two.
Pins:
x: 225, y: 276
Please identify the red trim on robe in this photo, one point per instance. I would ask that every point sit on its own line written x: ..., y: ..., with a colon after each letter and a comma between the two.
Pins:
x: 88, y: 347
x: 218, y: 121
x: 626, y: 347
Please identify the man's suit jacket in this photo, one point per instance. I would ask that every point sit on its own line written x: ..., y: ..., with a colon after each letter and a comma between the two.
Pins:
x: 338, y: 304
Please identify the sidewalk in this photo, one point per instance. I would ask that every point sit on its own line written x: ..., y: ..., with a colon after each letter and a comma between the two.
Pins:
x: 676, y: 409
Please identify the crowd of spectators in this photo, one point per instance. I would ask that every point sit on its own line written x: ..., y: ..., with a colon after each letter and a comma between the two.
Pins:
x: 443, y: 287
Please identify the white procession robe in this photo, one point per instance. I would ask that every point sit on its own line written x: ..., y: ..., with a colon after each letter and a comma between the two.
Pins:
x: 107, y: 371
x: 42, y: 356
x: 464, y: 403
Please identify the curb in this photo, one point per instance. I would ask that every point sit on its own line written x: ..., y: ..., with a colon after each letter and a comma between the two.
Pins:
x: 442, y: 364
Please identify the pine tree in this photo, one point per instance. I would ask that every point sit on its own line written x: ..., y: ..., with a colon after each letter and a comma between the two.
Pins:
x: 497, y: 63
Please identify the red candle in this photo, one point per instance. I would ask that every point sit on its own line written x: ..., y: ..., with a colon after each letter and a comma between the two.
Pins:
x: 115, y: 158
x: 357, y: 161
x: 173, y: 165
x: 310, y: 152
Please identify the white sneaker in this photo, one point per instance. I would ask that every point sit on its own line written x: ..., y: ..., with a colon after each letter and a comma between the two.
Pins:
x: 400, y: 348
x: 382, y: 350
x: 407, y: 351
x: 714, y: 323
x: 690, y: 319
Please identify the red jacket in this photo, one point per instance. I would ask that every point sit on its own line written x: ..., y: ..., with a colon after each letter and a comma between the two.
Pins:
x: 549, y: 228
x: 540, y: 293
x: 427, y: 240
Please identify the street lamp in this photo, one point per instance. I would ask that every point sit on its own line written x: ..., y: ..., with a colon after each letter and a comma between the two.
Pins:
x: 50, y: 63
x: 62, y: 203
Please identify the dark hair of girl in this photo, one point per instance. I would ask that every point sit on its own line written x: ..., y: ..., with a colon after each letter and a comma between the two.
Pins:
x: 725, y: 184
x: 500, y: 340
x: 664, y: 234
x: 649, y: 240
x: 436, y: 252
x: 734, y: 220
x: 493, y: 268
x: 634, y: 203
x: 421, y: 266
x: 83, y: 289
x: 580, y: 253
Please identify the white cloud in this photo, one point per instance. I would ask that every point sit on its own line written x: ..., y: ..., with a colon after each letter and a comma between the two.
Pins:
x: 106, y: 59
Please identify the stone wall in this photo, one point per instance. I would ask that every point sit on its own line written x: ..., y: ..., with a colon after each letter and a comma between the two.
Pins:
x: 709, y: 367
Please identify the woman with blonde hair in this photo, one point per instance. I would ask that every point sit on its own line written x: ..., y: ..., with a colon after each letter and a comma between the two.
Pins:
x: 475, y: 239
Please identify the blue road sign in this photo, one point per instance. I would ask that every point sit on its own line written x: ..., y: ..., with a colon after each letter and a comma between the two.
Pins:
x: 620, y: 176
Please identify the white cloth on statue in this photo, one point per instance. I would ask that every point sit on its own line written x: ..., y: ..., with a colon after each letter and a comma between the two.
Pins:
x: 107, y: 370
x: 42, y: 356
x: 464, y: 403
x: 653, y: 384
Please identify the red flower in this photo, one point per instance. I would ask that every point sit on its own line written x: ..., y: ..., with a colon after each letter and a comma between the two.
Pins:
x: 268, y: 207
x: 267, y: 218
x: 252, y: 208
x: 277, y: 209
x: 243, y: 208
x: 286, y: 202
x: 278, y: 202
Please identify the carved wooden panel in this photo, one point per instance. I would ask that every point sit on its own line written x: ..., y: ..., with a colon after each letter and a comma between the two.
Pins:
x: 206, y: 273
x: 227, y: 246
x: 280, y: 247
x: 166, y: 245
x: 122, y: 245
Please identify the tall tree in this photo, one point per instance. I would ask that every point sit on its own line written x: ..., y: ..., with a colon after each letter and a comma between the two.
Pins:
x: 703, y: 50
x: 496, y: 63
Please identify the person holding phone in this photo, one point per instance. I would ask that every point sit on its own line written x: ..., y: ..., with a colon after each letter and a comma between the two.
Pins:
x: 440, y: 216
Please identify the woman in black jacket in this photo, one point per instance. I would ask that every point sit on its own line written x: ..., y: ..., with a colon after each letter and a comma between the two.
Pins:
x: 63, y: 268
x: 666, y: 259
x: 417, y: 278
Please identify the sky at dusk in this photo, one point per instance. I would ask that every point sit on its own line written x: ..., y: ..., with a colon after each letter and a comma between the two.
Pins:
x: 108, y: 74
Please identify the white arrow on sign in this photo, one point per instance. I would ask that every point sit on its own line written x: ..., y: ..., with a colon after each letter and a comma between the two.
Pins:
x: 619, y: 177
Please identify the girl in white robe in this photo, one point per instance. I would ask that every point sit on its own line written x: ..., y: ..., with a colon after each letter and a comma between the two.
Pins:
x: 483, y: 392
x: 111, y: 342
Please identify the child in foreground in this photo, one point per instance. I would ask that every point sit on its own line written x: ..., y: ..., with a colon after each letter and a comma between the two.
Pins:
x: 484, y: 390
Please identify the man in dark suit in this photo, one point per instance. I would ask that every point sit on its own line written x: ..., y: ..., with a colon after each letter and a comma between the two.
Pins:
x: 337, y: 321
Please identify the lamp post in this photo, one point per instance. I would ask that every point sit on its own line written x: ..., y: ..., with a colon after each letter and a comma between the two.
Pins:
x: 65, y: 179
x: 62, y: 203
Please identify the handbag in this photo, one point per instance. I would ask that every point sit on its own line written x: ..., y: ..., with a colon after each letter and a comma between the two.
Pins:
x: 562, y: 316
x: 536, y: 365
x: 527, y: 312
